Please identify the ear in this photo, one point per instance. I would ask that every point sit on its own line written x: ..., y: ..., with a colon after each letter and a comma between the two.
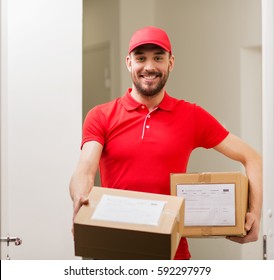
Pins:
x: 171, y: 63
x: 128, y: 63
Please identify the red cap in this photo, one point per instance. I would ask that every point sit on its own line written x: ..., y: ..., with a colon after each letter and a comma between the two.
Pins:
x: 150, y: 35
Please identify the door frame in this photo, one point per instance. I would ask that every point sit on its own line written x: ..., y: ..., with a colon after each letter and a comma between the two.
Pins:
x: 268, y: 126
x: 3, y: 125
x: 268, y: 123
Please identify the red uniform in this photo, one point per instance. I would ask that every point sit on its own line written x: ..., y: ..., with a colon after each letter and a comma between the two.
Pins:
x: 142, y: 148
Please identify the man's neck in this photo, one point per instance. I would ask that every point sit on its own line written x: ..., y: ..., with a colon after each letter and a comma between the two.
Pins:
x: 150, y: 101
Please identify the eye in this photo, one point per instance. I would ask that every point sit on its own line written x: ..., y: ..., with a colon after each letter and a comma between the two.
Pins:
x: 158, y: 58
x: 140, y: 58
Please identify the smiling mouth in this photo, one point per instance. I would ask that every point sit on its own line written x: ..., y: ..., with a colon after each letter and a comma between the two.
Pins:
x: 150, y: 77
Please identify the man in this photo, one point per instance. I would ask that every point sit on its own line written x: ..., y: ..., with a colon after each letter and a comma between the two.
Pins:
x: 142, y: 137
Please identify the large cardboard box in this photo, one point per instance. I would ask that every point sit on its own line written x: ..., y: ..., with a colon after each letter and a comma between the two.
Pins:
x: 120, y: 224
x: 215, y: 203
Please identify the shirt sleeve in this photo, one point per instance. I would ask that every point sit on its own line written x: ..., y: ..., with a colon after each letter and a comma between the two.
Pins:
x: 209, y: 131
x: 94, y: 127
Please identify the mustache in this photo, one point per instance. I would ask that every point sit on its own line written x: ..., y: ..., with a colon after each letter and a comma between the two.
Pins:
x: 146, y: 73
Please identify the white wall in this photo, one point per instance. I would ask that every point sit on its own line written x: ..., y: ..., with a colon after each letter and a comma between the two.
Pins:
x: 43, y: 115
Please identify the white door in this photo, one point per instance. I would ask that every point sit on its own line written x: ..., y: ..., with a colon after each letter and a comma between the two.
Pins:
x: 41, y: 118
x: 268, y: 126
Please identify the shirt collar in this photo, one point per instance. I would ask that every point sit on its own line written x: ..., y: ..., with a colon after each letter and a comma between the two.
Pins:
x: 130, y: 104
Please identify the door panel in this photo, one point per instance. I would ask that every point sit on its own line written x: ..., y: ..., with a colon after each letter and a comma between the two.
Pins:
x: 41, y: 92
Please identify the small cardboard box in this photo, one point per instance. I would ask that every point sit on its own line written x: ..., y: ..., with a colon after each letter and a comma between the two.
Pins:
x: 215, y: 203
x: 103, y: 232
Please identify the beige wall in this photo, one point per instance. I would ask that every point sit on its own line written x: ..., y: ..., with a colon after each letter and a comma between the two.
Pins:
x: 208, y: 37
x: 101, y: 25
x: 211, y: 40
x: 133, y: 15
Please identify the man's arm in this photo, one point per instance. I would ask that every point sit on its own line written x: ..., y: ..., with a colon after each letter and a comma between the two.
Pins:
x: 82, y: 180
x: 236, y: 149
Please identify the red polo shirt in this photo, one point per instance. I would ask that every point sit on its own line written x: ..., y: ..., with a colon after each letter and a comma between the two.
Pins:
x: 142, y: 148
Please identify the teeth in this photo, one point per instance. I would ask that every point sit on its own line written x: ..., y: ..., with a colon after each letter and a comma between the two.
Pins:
x: 150, y: 77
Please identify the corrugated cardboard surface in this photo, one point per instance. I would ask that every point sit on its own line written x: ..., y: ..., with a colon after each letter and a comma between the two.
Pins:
x: 115, y: 240
x: 241, y: 201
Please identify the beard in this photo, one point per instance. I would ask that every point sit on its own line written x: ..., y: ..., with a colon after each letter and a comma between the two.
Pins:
x: 149, y: 90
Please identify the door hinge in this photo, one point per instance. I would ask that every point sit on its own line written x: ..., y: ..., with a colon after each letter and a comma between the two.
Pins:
x: 264, y: 247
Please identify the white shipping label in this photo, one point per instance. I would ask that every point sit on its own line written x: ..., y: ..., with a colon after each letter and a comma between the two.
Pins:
x: 208, y: 204
x: 129, y: 210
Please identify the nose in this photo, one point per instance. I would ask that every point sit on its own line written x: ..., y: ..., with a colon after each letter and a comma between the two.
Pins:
x: 149, y: 65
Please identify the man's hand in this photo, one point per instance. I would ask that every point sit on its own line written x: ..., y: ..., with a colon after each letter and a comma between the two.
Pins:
x: 77, y: 204
x: 252, y: 226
